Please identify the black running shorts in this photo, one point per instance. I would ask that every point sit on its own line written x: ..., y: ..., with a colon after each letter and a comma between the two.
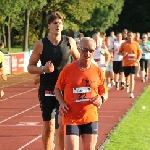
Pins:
x: 90, y: 128
x: 48, y: 104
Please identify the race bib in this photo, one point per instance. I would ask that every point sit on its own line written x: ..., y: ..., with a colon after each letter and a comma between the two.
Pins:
x: 49, y: 93
x: 97, y: 60
x: 131, y: 56
x: 82, y: 94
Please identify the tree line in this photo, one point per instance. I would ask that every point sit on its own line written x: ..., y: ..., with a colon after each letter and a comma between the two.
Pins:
x: 22, y: 22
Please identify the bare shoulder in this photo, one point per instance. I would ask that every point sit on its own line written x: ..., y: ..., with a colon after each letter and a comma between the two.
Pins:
x: 35, y: 55
x: 71, y: 40
x: 73, y: 50
x: 38, y: 46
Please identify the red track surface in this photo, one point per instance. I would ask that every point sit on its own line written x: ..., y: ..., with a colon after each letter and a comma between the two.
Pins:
x: 20, y: 115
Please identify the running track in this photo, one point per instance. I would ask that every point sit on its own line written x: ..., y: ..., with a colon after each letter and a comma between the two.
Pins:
x: 20, y: 115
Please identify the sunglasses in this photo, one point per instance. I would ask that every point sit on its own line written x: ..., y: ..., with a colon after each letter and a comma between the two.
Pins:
x: 86, y: 49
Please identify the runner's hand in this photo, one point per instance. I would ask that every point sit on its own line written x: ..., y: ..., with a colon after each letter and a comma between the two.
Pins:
x: 97, y: 101
x: 63, y: 108
x: 124, y: 54
x: 36, y: 79
x: 4, y: 77
x: 137, y: 60
x: 49, y: 67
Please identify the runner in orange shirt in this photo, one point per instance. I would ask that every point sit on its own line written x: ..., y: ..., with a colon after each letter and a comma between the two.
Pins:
x: 84, y: 86
x: 132, y: 54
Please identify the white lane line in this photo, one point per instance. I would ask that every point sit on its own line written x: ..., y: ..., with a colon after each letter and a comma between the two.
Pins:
x: 18, y: 114
x: 32, y: 116
x: 15, y: 83
x: 20, y: 126
x: 30, y: 142
x: 27, y: 123
x: 106, y: 116
x: 109, y: 111
x: 18, y: 94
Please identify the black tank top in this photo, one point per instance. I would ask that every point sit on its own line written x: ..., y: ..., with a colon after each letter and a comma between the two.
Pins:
x: 59, y: 55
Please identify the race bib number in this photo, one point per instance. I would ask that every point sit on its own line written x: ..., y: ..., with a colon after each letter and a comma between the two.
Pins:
x: 143, y: 54
x: 97, y: 60
x: 131, y: 56
x: 82, y: 94
x: 49, y: 93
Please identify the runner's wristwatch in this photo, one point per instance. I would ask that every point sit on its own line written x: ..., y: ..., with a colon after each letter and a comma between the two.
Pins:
x: 103, y: 99
x: 43, y: 72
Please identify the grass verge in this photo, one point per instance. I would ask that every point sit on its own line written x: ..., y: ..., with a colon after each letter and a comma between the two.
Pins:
x: 15, y: 49
x: 133, y: 132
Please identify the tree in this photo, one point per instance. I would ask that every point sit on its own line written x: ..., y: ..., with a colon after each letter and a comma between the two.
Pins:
x: 134, y: 16
x: 2, y: 29
x: 105, y: 14
x: 76, y: 12
x: 10, y: 10
x: 31, y: 5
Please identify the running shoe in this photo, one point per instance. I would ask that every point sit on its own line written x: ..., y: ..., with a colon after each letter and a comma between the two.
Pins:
x: 122, y: 86
x: 109, y: 85
x: 112, y: 82
x: 131, y: 95
x: 53, y: 146
x: 146, y: 78
x: 143, y: 79
x: 138, y: 75
x: 117, y: 86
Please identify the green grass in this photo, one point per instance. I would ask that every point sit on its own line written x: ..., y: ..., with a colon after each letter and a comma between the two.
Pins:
x: 133, y: 132
x: 15, y: 49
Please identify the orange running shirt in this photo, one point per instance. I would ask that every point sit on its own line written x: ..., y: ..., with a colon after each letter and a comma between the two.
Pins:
x: 133, y: 52
x: 138, y: 41
x: 79, y: 86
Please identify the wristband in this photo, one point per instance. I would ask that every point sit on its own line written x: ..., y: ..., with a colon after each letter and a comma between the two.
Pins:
x: 43, y: 72
x: 103, y: 99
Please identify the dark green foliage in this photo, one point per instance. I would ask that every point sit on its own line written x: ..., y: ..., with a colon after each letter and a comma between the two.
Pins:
x: 134, y: 16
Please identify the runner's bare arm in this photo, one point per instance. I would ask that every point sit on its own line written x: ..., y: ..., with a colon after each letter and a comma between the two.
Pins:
x: 59, y: 95
x: 103, y: 90
x: 36, y: 79
x: 2, y: 70
x: 74, y: 51
x: 148, y: 49
x: 34, y: 58
x: 121, y: 52
x: 139, y: 53
x: 107, y: 56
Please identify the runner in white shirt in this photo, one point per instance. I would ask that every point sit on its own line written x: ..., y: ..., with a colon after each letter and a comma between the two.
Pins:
x: 112, y: 37
x: 101, y: 54
x: 109, y: 68
x: 117, y: 62
x: 98, y: 38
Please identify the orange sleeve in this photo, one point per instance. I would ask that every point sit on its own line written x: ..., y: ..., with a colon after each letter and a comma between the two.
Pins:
x: 102, y: 89
x: 60, y: 84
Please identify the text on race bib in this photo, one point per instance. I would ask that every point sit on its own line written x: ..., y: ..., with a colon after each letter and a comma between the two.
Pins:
x: 82, y: 94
